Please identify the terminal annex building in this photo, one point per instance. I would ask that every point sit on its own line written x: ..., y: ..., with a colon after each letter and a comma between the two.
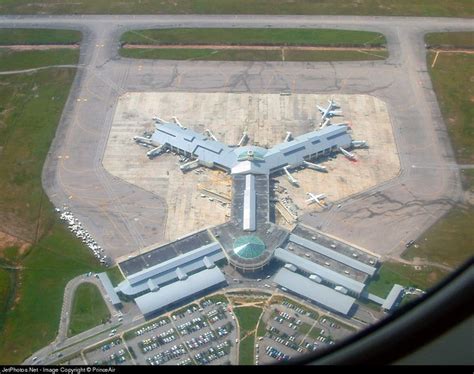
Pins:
x: 174, y: 273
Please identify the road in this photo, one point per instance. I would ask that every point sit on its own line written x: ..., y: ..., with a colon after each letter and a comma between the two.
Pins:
x: 123, y: 217
x: 62, y: 341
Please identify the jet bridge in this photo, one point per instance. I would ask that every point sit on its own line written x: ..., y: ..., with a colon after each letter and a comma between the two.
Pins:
x: 290, y: 177
x: 316, y: 166
x: 211, y: 135
x: 144, y: 141
x: 243, y: 140
x: 155, y: 152
x: 189, y: 165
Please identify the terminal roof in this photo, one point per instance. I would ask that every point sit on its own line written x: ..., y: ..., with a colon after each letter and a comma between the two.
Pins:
x: 252, y: 159
x: 179, y: 290
x: 318, y: 293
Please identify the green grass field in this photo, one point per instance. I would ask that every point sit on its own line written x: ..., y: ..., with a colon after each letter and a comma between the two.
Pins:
x: 201, y: 54
x: 39, y: 36
x: 467, y: 178
x: 49, y: 265
x: 115, y: 275
x: 248, y: 317
x: 391, y: 273
x: 450, y: 39
x: 452, y: 8
x: 448, y: 242
x: 6, y: 291
x: 254, y: 36
x: 246, y: 350
x: 304, y: 328
x: 250, y: 55
x: 4, y: 284
x: 88, y: 309
x: 332, y: 55
x: 452, y: 83
x: 30, y: 107
x: 10, y: 255
x: 314, y: 333
x: 19, y: 60
x: 217, y: 298
x: 261, y: 328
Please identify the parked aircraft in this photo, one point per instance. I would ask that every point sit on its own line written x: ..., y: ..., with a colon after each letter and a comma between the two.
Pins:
x: 316, y: 199
x: 329, y: 111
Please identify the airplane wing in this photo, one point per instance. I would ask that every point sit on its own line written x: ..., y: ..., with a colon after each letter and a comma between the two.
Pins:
x: 322, y: 110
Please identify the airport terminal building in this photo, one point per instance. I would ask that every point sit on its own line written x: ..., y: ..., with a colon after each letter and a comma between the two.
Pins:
x: 249, y: 238
x: 167, y: 275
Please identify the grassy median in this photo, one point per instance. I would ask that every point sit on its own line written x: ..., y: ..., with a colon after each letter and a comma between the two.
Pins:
x: 254, y: 36
x: 115, y: 275
x: 11, y: 59
x: 268, y: 44
x: 246, y: 350
x: 39, y: 36
x: 248, y: 317
x: 450, y: 40
x: 20, y: 60
x: 452, y: 8
x: 88, y: 309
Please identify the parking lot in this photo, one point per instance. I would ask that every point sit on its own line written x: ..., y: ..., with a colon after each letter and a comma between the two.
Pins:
x: 111, y: 352
x: 194, y: 335
x: 292, y: 331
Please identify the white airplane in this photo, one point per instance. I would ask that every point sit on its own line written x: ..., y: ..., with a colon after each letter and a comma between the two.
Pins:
x: 329, y: 111
x: 316, y: 199
x: 325, y: 123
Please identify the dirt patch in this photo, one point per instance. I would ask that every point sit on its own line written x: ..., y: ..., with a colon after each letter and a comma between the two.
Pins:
x: 7, y: 241
x: 469, y: 197
x: 432, y: 277
x: 452, y: 50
